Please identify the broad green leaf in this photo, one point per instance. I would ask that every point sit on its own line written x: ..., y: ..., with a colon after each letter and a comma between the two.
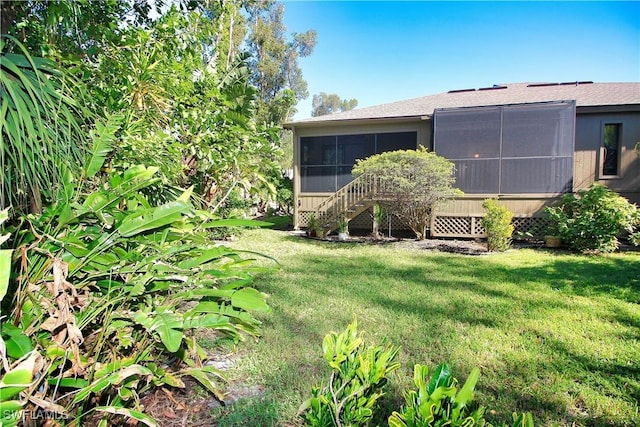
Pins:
x: 441, y: 377
x: 12, y: 405
x: 18, y: 344
x: 114, y: 378
x: 166, y: 324
x: 138, y: 416
x: 237, y: 283
x: 172, y: 380
x: 465, y: 395
x: 68, y: 382
x: 249, y: 299
x: 206, y: 256
x: 150, y: 219
x: 186, y: 195
x: 204, y: 379
x: 138, y: 173
x: 10, y: 418
x: 207, y: 321
x: 215, y: 293
x: 18, y: 378
x: 242, y: 319
x: 5, y: 271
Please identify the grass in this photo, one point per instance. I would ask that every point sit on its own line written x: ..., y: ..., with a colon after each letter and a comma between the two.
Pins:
x: 554, y: 333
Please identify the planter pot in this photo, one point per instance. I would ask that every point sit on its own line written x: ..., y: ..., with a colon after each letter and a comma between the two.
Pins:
x: 343, y: 236
x: 312, y: 233
x: 552, y: 241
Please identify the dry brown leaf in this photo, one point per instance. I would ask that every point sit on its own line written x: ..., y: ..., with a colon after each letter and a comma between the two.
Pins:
x: 169, y: 413
x: 48, y: 406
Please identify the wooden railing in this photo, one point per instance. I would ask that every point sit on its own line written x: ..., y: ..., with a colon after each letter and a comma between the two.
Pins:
x: 350, y: 201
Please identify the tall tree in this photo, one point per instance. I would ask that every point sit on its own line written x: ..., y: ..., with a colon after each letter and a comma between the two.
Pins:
x: 274, y: 61
x: 328, y: 103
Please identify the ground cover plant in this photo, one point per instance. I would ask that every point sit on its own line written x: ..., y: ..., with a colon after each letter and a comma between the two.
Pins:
x: 553, y: 333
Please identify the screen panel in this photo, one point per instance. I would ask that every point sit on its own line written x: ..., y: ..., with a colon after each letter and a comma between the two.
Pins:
x: 538, y: 131
x: 354, y: 147
x: 394, y: 141
x: 537, y: 175
x: 478, y: 176
x: 516, y: 149
x: 318, y: 150
x: 468, y: 133
x: 326, y: 161
x: 318, y: 179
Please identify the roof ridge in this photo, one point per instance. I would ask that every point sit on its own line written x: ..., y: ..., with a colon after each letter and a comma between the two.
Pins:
x: 584, y: 92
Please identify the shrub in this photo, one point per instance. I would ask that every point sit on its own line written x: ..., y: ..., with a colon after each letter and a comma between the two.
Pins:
x: 357, y: 378
x: 284, y: 195
x: 497, y: 225
x: 591, y: 220
x: 437, y: 401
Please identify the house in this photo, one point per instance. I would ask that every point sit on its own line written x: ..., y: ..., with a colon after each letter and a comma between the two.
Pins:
x: 523, y: 143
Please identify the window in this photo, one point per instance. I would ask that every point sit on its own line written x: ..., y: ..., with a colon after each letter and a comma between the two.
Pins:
x: 326, y: 161
x: 611, y: 149
x: 513, y: 149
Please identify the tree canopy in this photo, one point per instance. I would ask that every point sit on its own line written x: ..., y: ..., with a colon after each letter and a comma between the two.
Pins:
x: 415, y: 181
x: 325, y: 103
x: 201, y: 87
x: 274, y: 61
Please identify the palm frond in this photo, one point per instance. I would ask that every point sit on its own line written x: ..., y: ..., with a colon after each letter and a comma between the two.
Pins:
x: 40, y: 133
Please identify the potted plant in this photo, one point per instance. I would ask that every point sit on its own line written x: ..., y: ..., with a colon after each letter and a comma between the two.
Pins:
x: 312, y: 226
x: 552, y: 235
x: 343, y: 229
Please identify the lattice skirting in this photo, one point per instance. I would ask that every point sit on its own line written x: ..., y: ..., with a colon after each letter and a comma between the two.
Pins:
x: 536, y: 227
x: 444, y: 226
x: 471, y: 226
x: 303, y: 218
x: 364, y: 221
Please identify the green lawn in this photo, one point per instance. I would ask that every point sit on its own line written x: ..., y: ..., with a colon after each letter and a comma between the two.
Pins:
x: 553, y: 333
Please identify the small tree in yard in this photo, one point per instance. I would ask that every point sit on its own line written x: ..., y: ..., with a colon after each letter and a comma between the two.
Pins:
x: 415, y: 181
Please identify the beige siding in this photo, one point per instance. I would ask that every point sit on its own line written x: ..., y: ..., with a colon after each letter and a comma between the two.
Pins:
x: 520, y: 206
x: 588, y: 153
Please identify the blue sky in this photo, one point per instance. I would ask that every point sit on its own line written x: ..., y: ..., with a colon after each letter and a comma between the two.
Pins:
x: 379, y: 52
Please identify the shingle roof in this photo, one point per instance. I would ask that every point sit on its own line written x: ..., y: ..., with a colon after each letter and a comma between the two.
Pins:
x: 586, y: 94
